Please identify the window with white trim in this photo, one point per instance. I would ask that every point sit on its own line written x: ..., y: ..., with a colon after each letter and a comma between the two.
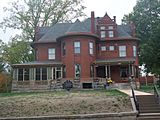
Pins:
x: 103, y: 48
x: 110, y: 34
x: 122, y: 51
x: 91, y: 48
x: 51, y: 53
x: 103, y: 34
x: 102, y: 28
x: 110, y: 27
x: 77, y: 47
x: 111, y: 48
x: 134, y: 51
x: 77, y: 70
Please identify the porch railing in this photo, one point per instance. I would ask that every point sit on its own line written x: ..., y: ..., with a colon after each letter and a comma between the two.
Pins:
x: 135, y: 99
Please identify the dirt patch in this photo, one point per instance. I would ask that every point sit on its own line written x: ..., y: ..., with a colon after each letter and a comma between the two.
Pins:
x: 52, y: 104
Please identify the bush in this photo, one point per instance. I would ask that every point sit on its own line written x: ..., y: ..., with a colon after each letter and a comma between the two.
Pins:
x: 5, y: 83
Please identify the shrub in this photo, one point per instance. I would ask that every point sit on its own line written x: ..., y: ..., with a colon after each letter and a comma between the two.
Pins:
x: 5, y: 83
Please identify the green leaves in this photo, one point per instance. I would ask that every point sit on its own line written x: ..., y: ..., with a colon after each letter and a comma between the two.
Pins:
x: 28, y: 14
x: 146, y: 17
x: 18, y: 51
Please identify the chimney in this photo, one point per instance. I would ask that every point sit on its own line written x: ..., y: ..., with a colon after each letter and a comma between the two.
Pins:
x: 133, y: 28
x: 92, y: 22
x: 114, y: 18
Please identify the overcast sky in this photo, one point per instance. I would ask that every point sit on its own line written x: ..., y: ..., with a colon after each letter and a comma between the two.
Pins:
x: 116, y: 8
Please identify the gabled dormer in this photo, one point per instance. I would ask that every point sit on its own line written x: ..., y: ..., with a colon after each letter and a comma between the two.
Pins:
x: 106, y: 27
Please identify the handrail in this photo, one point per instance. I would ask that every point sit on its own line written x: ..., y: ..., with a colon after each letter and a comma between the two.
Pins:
x: 135, y: 99
x: 156, y: 94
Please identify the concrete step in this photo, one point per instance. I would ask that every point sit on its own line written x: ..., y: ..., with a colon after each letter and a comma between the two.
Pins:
x: 149, y: 116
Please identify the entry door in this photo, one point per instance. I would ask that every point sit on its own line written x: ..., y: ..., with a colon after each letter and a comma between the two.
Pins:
x: 100, y: 71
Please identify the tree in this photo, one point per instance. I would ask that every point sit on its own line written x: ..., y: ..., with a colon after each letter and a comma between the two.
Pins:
x: 18, y: 51
x: 28, y: 14
x: 2, y: 64
x: 146, y: 17
x: 150, y: 53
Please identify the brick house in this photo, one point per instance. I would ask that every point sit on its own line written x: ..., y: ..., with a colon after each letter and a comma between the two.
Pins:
x: 84, y: 52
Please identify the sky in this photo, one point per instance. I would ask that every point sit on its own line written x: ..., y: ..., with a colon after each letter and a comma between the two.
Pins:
x: 116, y: 8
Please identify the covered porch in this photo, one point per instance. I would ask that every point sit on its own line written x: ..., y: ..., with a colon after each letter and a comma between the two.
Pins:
x: 118, y: 70
x: 35, y: 75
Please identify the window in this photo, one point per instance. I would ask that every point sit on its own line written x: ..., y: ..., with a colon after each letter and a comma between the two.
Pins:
x: 122, y: 51
x: 77, y: 47
x: 26, y: 73
x: 110, y: 27
x: 124, y: 72
x: 51, y: 53
x: 110, y: 34
x: 102, y: 28
x: 58, y: 72
x: 38, y: 73
x: 77, y: 70
x: 64, y: 48
x: 134, y: 51
x: 44, y: 73
x: 111, y: 48
x: 91, y: 48
x: 103, y: 34
x: 20, y: 74
x: 103, y: 48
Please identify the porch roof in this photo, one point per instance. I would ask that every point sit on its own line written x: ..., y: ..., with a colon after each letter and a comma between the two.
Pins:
x: 115, y: 61
x: 38, y: 63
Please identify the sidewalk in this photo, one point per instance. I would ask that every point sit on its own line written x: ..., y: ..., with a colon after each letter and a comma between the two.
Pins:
x: 129, y: 92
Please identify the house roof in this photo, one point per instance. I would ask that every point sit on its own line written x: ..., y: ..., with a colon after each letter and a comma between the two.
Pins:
x: 115, y: 61
x: 38, y: 63
x: 50, y: 34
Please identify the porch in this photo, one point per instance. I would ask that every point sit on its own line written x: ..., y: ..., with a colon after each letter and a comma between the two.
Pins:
x: 118, y: 70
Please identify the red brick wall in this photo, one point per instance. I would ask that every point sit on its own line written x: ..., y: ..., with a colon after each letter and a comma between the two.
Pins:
x: 115, y: 54
x: 148, y: 79
x: 42, y: 54
x: 84, y: 58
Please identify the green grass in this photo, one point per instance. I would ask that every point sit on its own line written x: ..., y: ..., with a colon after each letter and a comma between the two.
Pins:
x: 148, y: 88
x: 63, y: 93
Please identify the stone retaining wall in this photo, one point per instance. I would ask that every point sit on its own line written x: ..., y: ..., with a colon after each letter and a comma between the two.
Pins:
x: 99, y: 116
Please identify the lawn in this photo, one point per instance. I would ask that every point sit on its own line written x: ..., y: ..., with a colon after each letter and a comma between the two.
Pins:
x: 63, y: 102
x: 148, y: 88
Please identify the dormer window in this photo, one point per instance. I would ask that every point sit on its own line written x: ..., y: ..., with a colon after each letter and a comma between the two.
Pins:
x: 102, y: 28
x: 103, y: 34
x: 110, y: 34
x: 110, y: 27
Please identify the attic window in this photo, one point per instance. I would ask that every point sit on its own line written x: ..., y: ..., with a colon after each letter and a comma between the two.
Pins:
x: 102, y: 28
x: 110, y: 27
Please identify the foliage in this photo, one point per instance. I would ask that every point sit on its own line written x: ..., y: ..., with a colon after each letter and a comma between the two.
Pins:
x: 4, y: 83
x: 146, y: 17
x: 28, y: 14
x: 18, y: 51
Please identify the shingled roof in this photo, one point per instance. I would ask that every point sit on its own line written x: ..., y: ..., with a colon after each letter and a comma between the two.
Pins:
x: 50, y: 34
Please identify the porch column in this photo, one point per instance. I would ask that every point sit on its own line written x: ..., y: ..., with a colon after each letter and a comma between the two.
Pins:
x: 106, y: 67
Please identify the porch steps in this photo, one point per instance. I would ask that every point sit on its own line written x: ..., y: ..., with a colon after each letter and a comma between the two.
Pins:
x: 149, y: 109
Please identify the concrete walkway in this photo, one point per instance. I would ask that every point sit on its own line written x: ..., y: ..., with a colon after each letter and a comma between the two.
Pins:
x: 129, y: 92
